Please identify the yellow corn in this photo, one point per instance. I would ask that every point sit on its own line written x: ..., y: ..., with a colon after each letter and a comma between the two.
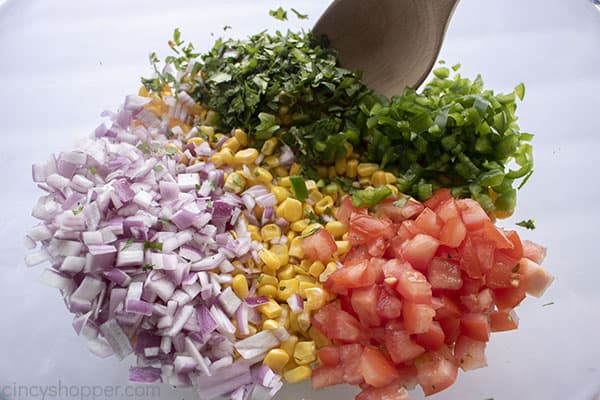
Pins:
x: 296, y: 248
x: 349, y: 150
x: 271, y: 310
x: 315, y: 196
x: 316, y: 298
x: 305, y: 352
x: 246, y: 156
x: 305, y: 264
x: 322, y: 171
x: 364, y: 181
x: 331, y: 173
x: 311, y: 228
x: 295, y: 169
x: 303, y: 320
x: 290, y: 236
x: 280, y: 193
x: 196, y: 141
x: 262, y: 175
x: 306, y: 278
x: 351, y: 168
x: 343, y: 246
x: 207, y: 130
x: 276, y: 359
x: 270, y: 232
x: 378, y: 178
x: 241, y: 136
x: 394, y: 189
x: 298, y: 374
x: 270, y: 324
x: 284, y: 180
x: 270, y: 259
x: 284, y: 318
x: 336, y: 228
x: 240, y: 286
x: 308, y: 209
x: 271, y: 161
x: 254, y: 233
x: 283, y: 173
x: 390, y: 178
x: 299, y: 270
x: 300, y: 225
x: 311, y: 185
x: 235, y: 183
x: 319, y: 339
x: 330, y: 269
x: 231, y: 143
x: 366, y: 169
x: 290, y: 209
x: 269, y: 146
x: 290, y: 345
x: 325, y: 205
x: 281, y: 251
x: 340, y: 166
x: 269, y: 291
x: 316, y: 269
x: 287, y: 288
x: 264, y: 279
x: 286, y: 272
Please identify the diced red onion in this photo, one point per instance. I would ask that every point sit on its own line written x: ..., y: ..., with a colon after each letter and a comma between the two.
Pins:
x: 257, y: 344
x: 116, y: 338
x: 296, y: 303
x: 256, y: 301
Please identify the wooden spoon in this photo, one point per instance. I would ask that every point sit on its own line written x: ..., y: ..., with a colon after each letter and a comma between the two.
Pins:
x: 394, y: 42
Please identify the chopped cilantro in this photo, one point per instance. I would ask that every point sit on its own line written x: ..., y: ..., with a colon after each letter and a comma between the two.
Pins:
x: 93, y: 170
x: 551, y: 303
x: 528, y: 224
x: 127, y: 244
x: 145, y: 148
x: 298, y: 14
x: 77, y: 211
x: 226, y: 27
x: 279, y: 14
x: 516, y: 268
x: 153, y: 245
x: 310, y: 233
x: 401, y: 202
x: 147, y: 267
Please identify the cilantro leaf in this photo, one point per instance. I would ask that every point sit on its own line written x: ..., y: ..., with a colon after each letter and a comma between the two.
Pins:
x: 527, y: 224
x: 298, y: 15
x: 279, y: 14
x: 153, y: 245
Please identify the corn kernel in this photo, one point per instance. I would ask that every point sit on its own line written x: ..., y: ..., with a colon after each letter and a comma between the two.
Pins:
x: 269, y: 291
x: 252, y: 330
x: 271, y: 310
x: 235, y: 183
x: 305, y: 264
x: 270, y: 324
x: 241, y: 136
x: 306, y: 278
x: 325, y: 205
x: 295, y: 169
x: 196, y: 141
x: 349, y: 149
x: 285, y: 181
x: 319, y: 339
x: 254, y: 233
x: 290, y: 236
x: 299, y: 270
x: 286, y: 272
x: 322, y: 171
x: 311, y: 185
x: 378, y: 178
x: 240, y: 286
x: 283, y: 173
x: 340, y: 166
x: 315, y: 196
x: 305, y: 352
x: 296, y: 248
x: 268, y: 147
x: 231, y: 143
x: 270, y: 259
x: 312, y: 228
x: 246, y: 156
x: 307, y: 209
x: 315, y: 298
x: 331, y: 172
x: 266, y: 280
x: 366, y: 169
x: 284, y: 318
x: 261, y: 175
x: 281, y: 251
x: 303, y: 319
x: 271, y: 161
x: 290, y: 209
x: 287, y: 288
x: 394, y: 189
x: 364, y: 182
x: 270, y: 232
x: 207, y: 130
x: 336, y: 228
x: 316, y: 269
x: 276, y: 359
x: 390, y: 178
x: 330, y: 269
x: 280, y: 193
x: 289, y: 345
x: 351, y: 168
x: 343, y: 247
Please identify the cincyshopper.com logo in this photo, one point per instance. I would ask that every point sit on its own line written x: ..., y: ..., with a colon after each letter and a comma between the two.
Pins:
x: 62, y: 391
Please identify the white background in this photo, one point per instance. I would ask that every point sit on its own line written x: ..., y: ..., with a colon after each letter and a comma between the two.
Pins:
x: 64, y: 61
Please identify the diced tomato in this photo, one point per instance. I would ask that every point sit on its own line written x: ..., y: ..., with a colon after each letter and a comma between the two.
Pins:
x: 443, y: 274
x: 534, y: 251
x: 399, y: 344
x: 420, y: 250
x: 470, y: 353
x: 469, y: 262
x: 411, y: 227
x: 453, y: 232
x: 475, y: 326
x: 393, y: 391
x: 500, y: 276
x: 451, y: 328
x: 449, y: 308
x: 436, y: 372
x: 438, y: 197
x: 480, y: 302
x: 350, y: 360
x: 377, y: 335
x: 365, y: 228
x: 376, y: 369
x: 389, y: 306
x: 501, y: 321
x: 351, y: 276
x: 433, y: 339
x: 495, y: 235
x: 337, y: 324
x: 377, y: 247
x: 391, y: 209
x: 485, y: 252
x: 429, y: 222
x: 346, y: 209
x: 329, y: 355
x: 417, y: 317
x: 509, y: 298
x: 357, y: 253
x: 411, y: 284
x: 536, y: 279
x: 364, y: 302
x: 319, y: 246
x: 472, y: 214
x: 325, y: 375
x: 516, y: 252
x: 448, y: 210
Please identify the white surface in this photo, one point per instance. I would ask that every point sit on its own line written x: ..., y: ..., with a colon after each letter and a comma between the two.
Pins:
x: 64, y: 61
